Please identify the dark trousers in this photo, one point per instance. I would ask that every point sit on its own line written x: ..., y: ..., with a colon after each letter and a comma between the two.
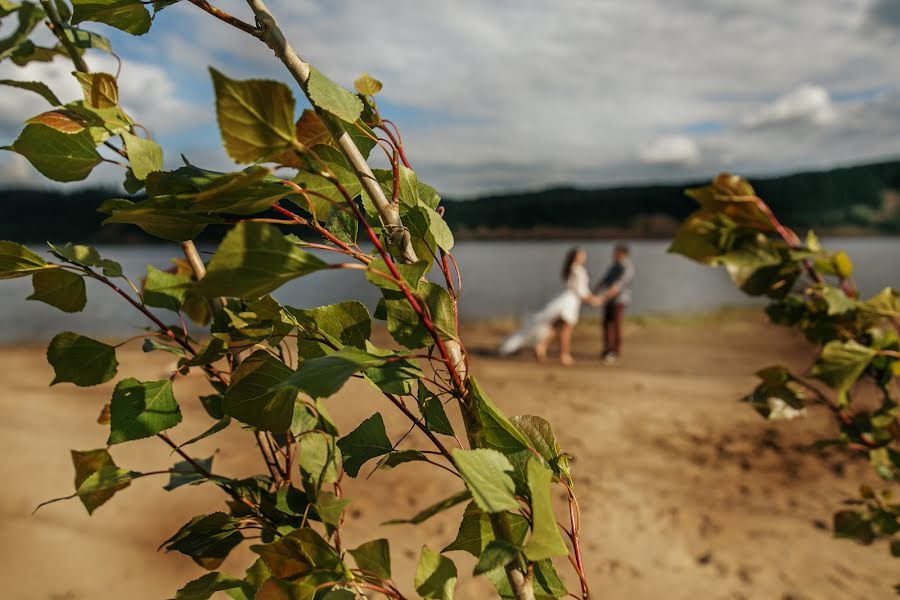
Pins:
x: 612, y: 326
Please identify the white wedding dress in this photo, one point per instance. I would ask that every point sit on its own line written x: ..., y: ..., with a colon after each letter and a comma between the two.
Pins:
x: 565, y: 306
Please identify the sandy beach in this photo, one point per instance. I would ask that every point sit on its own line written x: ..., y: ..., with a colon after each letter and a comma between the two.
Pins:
x: 684, y: 492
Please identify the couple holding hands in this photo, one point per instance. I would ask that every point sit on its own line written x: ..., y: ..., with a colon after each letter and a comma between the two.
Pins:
x: 560, y: 315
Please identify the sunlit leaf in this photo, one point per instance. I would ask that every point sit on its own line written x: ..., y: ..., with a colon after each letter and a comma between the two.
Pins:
x: 100, y: 89
x: 145, y: 156
x: 256, y: 117
x: 486, y: 473
x: 18, y: 261
x: 368, y: 85
x: 435, y: 576
x: 130, y: 16
x: 58, y: 156
x: 545, y: 540
x: 332, y: 98
x: 253, y: 260
x: 97, y: 478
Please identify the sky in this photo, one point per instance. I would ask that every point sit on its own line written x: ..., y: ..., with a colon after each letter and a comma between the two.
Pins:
x: 506, y: 95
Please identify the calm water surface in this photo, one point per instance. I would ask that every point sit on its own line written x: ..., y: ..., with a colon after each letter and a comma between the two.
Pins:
x: 500, y: 279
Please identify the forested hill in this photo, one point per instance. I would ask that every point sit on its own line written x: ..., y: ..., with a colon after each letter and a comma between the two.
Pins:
x: 861, y: 199
x: 853, y: 199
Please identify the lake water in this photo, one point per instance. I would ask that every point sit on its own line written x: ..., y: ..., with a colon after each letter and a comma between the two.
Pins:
x: 500, y: 279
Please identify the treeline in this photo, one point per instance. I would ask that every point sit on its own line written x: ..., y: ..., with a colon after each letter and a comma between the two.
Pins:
x: 853, y: 196
x: 824, y: 199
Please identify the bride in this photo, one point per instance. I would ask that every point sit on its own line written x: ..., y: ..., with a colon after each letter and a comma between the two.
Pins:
x: 558, y: 316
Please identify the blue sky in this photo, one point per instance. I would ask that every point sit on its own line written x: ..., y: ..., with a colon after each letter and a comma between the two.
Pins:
x: 514, y: 94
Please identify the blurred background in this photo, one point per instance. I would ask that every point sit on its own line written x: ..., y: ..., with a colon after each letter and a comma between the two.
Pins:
x: 543, y: 125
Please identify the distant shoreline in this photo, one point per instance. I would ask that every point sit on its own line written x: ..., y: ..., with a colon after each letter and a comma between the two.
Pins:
x: 503, y: 234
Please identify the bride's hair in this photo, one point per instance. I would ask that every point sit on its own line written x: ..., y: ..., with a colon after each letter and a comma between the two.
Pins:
x: 569, y: 262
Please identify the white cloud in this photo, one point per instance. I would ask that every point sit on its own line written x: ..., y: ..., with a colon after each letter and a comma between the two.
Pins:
x: 523, y: 93
x: 808, y: 103
x: 671, y: 150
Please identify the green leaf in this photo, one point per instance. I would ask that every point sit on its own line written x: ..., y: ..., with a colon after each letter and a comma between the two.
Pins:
x: 164, y: 290
x: 205, y: 587
x: 435, y: 576
x: 302, y: 552
x: 18, y: 261
x: 141, y: 409
x: 438, y: 228
x: 207, y: 539
x: 395, y: 376
x: 253, y: 397
x: 486, y: 473
x: 253, y: 260
x: 853, y: 525
x: 434, y: 509
x: 412, y: 274
x: 404, y: 324
x: 546, y: 582
x: 60, y: 288
x: 197, y: 190
x: 323, y: 376
x: 28, y: 15
x: 256, y: 117
x: 496, y: 555
x: 38, y: 87
x: 330, y: 508
x: 837, y: 301
x: 130, y: 16
x: 184, y: 473
x: 843, y: 266
x: 86, y: 256
x: 539, y: 434
x: 330, y: 97
x: 474, y: 533
x: 374, y: 557
x: 345, y: 323
x: 97, y: 478
x: 366, y: 442
x: 82, y: 38
x: 216, y: 428
x: 329, y: 159
x: 176, y: 224
x: 27, y: 52
x: 435, y: 417
x: 145, y: 156
x: 841, y: 363
x: 399, y: 457
x: 367, y: 85
x: 545, y: 541
x: 80, y: 360
x: 498, y: 431
x: 58, y: 156
x: 319, y: 461
x: 101, y: 90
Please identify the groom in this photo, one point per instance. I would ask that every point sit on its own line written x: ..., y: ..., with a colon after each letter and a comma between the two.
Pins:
x: 614, y: 291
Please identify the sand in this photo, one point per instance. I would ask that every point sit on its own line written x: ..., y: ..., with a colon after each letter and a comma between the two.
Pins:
x: 684, y: 492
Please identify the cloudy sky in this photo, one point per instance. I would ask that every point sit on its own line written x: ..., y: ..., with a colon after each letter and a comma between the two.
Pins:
x: 502, y: 94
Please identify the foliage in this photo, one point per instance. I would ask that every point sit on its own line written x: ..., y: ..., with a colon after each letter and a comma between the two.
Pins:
x: 857, y: 339
x: 272, y: 367
x: 828, y: 199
